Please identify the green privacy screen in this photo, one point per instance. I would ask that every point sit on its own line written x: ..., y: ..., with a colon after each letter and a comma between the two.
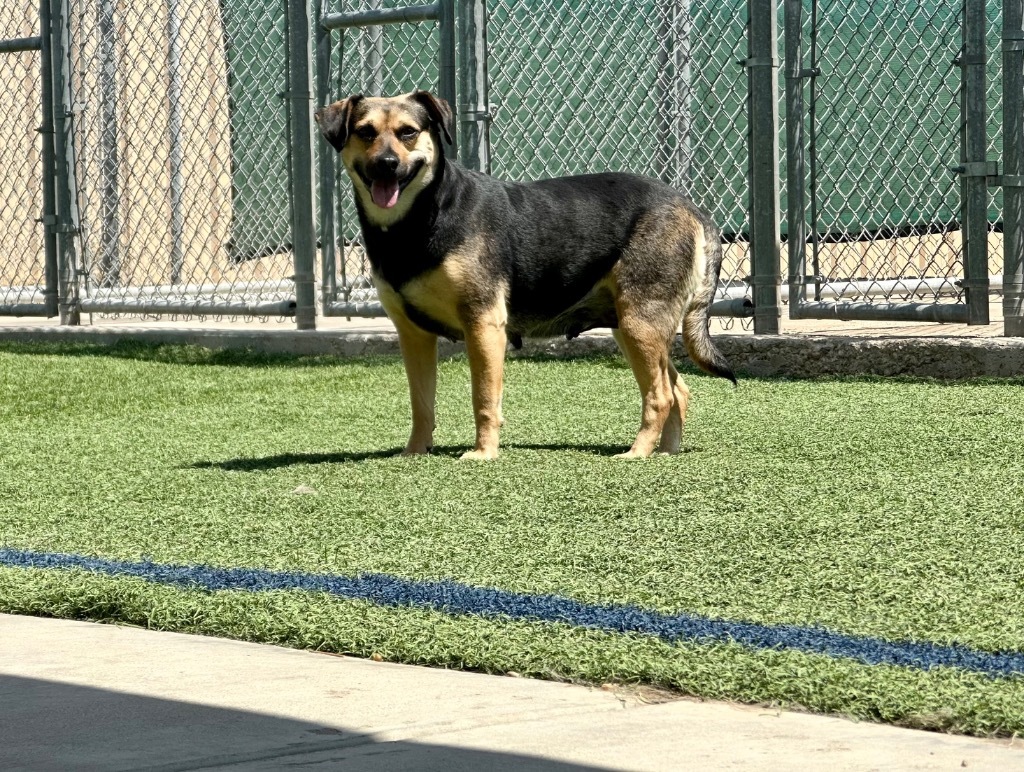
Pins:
x: 256, y: 53
x: 650, y: 86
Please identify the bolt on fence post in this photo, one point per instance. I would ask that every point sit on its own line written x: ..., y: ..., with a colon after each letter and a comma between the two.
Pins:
x: 51, y: 292
x: 67, y: 214
x: 446, y: 65
x: 796, y: 225
x: 1013, y: 168
x: 763, y: 148
x: 300, y: 155
x: 973, y: 147
x: 328, y: 225
x: 475, y: 108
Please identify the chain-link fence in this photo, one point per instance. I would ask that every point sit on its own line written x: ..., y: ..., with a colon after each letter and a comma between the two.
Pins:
x: 884, y: 209
x: 182, y: 145
x: 885, y: 121
x: 886, y: 161
x: 22, y: 250
x: 650, y: 86
x: 181, y: 153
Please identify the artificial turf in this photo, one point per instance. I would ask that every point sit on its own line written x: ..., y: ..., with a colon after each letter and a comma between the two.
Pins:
x: 883, y: 508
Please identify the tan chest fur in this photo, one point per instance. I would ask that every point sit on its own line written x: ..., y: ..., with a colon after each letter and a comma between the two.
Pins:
x: 442, y: 293
x: 437, y: 294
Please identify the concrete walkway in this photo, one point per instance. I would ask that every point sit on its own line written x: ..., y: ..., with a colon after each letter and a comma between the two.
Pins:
x: 82, y: 696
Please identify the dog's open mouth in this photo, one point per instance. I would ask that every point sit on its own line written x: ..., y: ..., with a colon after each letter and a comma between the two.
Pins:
x: 385, y: 191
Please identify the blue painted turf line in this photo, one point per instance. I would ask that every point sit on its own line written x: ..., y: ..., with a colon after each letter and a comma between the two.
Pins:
x: 459, y: 599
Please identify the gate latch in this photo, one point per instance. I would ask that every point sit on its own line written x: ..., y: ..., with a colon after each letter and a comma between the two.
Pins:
x: 987, y: 169
x: 977, y: 169
x: 990, y: 171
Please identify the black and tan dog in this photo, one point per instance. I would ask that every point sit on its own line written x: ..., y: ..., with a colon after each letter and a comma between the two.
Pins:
x: 469, y: 257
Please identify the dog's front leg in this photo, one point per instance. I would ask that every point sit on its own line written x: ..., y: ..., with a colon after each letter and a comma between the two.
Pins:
x: 419, y: 352
x: 485, y: 345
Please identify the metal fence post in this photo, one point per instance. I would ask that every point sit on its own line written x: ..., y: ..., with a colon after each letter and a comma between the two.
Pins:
x: 300, y: 155
x: 676, y: 93
x: 67, y: 214
x: 373, y: 54
x: 109, y: 257
x: 174, y: 125
x: 974, y: 170
x: 796, y: 225
x: 446, y: 65
x: 1013, y: 168
x: 475, y: 108
x: 51, y: 291
x: 328, y: 222
x: 763, y: 144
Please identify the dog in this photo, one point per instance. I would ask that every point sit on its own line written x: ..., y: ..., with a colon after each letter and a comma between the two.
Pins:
x: 463, y: 255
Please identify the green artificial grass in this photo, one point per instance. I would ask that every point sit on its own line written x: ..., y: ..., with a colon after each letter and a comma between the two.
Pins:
x: 885, y: 508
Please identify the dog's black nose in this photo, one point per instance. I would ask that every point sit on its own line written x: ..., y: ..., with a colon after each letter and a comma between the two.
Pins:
x: 384, y: 165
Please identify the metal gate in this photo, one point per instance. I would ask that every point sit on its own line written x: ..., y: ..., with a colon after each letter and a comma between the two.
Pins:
x: 378, y: 51
x: 886, y: 160
x: 28, y: 247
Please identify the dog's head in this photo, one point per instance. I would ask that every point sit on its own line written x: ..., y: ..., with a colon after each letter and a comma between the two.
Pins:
x: 390, y: 146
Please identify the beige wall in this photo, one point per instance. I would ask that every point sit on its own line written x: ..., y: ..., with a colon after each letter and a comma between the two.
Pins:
x: 143, y: 212
x: 21, y: 239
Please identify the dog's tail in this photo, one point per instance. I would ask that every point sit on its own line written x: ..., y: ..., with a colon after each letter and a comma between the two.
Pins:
x: 697, y: 317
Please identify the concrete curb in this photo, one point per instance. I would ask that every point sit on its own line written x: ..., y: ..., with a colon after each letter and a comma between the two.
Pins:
x: 791, y: 356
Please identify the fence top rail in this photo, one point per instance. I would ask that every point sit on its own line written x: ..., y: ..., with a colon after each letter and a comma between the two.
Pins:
x: 16, y: 45
x: 411, y: 14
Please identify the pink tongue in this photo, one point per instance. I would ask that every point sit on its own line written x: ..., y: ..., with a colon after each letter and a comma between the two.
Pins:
x: 384, y: 194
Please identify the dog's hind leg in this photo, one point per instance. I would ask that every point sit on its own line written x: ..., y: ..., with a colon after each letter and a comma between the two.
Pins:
x: 672, y: 434
x: 643, y: 341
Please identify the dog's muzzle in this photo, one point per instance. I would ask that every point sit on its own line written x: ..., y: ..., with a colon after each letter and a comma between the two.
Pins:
x: 384, y: 187
x: 386, y: 180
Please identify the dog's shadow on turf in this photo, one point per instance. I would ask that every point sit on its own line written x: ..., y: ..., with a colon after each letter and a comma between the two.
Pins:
x: 453, y: 451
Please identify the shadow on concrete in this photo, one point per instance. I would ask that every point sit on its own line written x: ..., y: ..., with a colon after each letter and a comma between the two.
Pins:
x: 48, y: 725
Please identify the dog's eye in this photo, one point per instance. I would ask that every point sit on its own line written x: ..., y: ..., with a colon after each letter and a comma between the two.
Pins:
x: 408, y: 134
x: 366, y: 133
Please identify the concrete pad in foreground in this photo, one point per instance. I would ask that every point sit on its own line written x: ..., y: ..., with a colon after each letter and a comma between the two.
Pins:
x: 83, y: 696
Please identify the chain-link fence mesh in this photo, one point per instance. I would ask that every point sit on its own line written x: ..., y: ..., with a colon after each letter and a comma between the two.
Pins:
x: 22, y: 262
x: 181, y: 153
x: 647, y: 86
x: 885, y: 120
x: 180, y: 127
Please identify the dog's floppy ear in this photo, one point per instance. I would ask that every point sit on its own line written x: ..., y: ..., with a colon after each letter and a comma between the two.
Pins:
x: 440, y: 112
x: 335, y: 120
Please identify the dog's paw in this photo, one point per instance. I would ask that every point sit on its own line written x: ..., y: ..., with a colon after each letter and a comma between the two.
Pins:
x: 416, y: 450
x: 632, y: 454
x: 479, y: 455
